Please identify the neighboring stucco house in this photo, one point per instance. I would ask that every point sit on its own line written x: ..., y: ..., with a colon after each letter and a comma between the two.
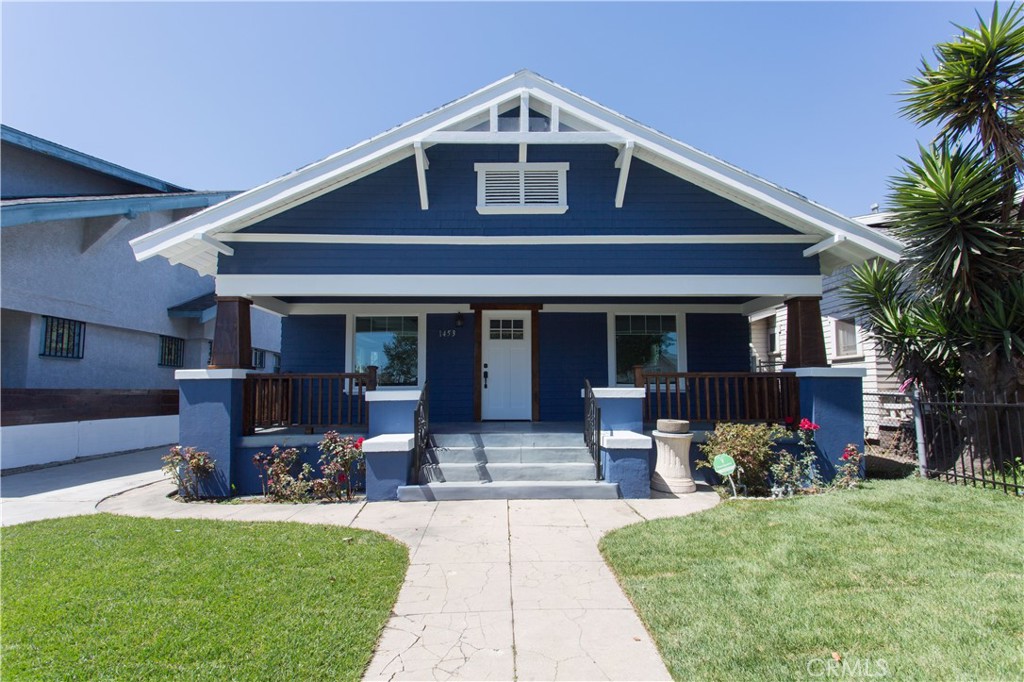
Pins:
x: 79, y: 312
x: 509, y: 247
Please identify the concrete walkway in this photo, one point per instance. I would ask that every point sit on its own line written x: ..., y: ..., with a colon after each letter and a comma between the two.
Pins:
x: 74, y: 489
x: 496, y: 590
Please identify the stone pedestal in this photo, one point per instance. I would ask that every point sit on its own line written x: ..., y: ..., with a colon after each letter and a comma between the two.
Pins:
x: 672, y: 468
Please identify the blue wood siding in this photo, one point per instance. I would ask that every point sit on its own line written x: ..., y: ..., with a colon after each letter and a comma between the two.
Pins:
x: 717, y: 343
x: 387, y: 202
x: 450, y: 361
x: 313, y: 343
x: 573, y: 347
x: 602, y: 259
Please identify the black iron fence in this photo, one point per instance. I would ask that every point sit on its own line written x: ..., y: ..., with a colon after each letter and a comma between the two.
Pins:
x: 971, y: 439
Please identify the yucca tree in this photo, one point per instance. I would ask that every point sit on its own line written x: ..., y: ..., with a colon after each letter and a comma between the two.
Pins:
x: 951, y: 313
x: 975, y: 91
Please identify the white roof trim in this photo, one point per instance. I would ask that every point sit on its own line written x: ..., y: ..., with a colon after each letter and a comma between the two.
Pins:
x: 309, y: 182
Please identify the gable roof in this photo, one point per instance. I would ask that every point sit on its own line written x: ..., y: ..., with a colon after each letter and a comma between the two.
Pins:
x: 192, y: 240
x: 66, y: 154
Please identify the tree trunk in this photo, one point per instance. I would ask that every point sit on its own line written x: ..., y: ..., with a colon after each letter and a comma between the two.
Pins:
x: 994, y: 428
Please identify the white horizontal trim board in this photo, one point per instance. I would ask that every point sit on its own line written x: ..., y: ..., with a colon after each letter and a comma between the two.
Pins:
x: 524, y: 240
x: 393, y: 309
x: 518, y: 285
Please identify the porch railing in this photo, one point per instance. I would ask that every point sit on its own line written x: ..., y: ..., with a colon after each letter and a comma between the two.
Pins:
x: 306, y: 400
x: 719, y: 396
x: 421, y: 432
x: 592, y: 426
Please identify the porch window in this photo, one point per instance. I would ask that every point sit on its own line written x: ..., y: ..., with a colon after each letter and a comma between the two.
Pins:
x: 390, y: 343
x: 648, y: 340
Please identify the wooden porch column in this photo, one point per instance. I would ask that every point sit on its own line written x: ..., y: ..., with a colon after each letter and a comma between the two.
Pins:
x: 805, y: 339
x: 232, y: 334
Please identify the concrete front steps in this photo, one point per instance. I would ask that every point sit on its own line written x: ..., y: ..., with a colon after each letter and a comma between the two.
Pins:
x: 508, y: 466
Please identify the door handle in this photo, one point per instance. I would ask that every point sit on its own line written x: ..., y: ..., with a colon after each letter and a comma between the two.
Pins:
x: 485, y: 378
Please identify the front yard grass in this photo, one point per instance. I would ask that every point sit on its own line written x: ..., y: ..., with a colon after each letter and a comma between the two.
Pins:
x: 904, y: 580
x: 109, y: 597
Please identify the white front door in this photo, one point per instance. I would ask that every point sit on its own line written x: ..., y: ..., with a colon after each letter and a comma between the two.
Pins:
x: 507, y: 365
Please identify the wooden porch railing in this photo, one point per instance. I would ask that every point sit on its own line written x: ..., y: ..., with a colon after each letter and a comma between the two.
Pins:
x: 306, y: 400
x: 719, y: 396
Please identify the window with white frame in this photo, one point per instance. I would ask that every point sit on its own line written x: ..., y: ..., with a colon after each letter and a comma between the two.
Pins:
x: 259, y: 358
x: 647, y: 340
x: 392, y: 345
x: 521, y: 188
x: 846, y: 337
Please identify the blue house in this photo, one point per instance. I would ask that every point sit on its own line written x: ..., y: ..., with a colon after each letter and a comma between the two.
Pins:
x: 509, y: 250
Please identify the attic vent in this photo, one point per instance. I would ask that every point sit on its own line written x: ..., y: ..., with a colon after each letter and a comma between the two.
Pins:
x: 521, y: 188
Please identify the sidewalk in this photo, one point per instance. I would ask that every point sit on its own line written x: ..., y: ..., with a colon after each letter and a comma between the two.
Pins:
x: 496, y: 590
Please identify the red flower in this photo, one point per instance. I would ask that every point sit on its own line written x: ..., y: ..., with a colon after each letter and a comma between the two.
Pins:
x: 359, y: 442
x: 790, y: 420
x: 807, y: 425
x: 846, y: 455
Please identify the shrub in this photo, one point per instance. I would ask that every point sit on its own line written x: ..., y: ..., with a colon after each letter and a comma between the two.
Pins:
x: 848, y: 473
x: 339, y: 456
x: 798, y: 473
x: 279, y: 482
x: 751, y: 445
x: 187, y: 467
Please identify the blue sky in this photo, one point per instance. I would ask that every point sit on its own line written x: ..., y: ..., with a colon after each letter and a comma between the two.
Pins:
x: 227, y: 96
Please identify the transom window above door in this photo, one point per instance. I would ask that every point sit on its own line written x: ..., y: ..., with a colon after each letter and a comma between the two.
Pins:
x: 506, y: 330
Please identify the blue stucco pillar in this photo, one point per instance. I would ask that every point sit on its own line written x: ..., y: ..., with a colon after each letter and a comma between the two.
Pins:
x: 388, y: 459
x: 833, y: 398
x: 625, y: 460
x: 391, y: 411
x: 210, y: 419
x: 622, y: 409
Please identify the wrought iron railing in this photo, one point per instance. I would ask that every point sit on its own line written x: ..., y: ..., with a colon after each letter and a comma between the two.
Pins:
x: 306, y: 400
x: 421, y: 432
x: 592, y: 426
x: 719, y: 396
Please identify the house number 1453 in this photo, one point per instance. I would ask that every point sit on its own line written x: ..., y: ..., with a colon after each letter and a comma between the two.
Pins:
x: 446, y: 333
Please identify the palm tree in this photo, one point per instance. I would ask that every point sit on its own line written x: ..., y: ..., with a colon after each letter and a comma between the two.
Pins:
x: 951, y: 314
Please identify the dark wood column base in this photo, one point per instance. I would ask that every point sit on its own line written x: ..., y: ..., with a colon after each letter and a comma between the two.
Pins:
x: 232, y: 334
x: 805, y: 338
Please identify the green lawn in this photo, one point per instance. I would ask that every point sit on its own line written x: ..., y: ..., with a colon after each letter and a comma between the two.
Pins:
x: 108, y: 597
x: 904, y: 579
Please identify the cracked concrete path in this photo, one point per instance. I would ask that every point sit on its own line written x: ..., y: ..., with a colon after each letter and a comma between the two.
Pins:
x: 496, y: 589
